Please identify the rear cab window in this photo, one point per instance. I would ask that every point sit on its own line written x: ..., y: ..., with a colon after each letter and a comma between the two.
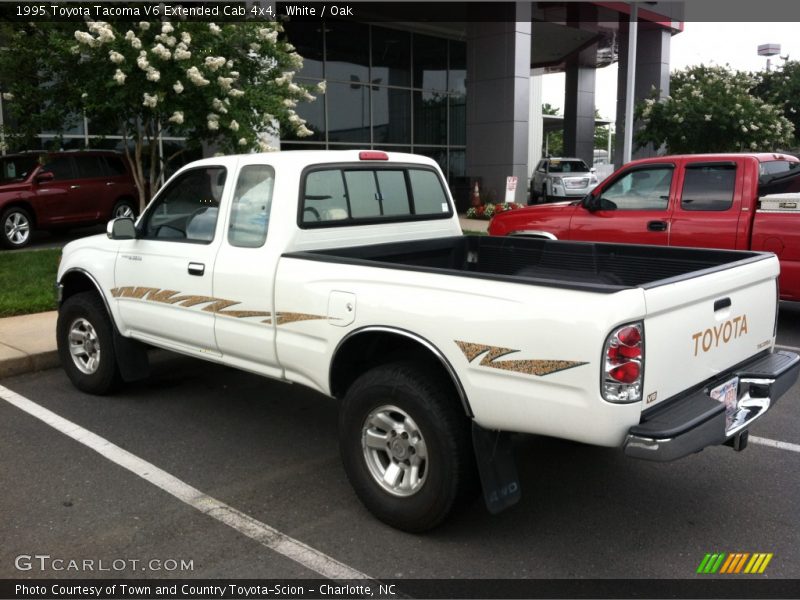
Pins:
x: 334, y: 195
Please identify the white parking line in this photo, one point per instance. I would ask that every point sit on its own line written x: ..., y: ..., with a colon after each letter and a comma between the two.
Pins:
x: 270, y: 537
x: 774, y: 443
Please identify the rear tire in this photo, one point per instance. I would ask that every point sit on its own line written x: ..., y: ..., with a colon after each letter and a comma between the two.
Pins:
x: 85, y: 339
x: 16, y: 226
x: 406, y: 445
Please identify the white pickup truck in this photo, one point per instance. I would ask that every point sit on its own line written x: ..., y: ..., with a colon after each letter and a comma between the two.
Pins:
x: 347, y: 272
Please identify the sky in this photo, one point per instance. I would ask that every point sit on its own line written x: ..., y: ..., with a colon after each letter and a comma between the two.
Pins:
x: 699, y: 42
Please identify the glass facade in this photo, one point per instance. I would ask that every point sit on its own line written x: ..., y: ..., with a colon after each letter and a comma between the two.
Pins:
x: 387, y: 90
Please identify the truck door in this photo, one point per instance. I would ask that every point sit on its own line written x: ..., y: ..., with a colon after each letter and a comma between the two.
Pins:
x: 163, y: 279
x: 710, y: 205
x: 245, y: 270
x: 634, y: 208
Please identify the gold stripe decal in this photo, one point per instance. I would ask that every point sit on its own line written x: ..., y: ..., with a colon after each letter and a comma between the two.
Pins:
x: 218, y: 306
x: 491, y: 354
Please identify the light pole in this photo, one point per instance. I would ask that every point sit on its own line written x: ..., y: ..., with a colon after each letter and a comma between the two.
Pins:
x: 633, y: 30
x: 769, y: 50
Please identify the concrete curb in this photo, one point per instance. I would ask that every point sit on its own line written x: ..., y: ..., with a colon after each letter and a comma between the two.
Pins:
x: 28, y: 344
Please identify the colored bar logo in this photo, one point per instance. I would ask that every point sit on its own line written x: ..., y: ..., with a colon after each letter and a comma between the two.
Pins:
x: 734, y: 563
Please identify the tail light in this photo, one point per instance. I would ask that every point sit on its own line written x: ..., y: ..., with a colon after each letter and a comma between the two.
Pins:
x: 372, y: 155
x: 623, y: 364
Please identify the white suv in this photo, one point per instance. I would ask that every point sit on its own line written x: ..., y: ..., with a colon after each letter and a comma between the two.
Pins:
x: 557, y: 178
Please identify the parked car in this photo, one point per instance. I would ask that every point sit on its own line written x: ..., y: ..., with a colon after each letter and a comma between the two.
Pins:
x: 561, y: 178
x: 52, y: 190
x: 723, y: 201
x: 347, y: 272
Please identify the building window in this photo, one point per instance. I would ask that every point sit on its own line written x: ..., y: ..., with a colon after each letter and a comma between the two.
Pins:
x: 391, y: 116
x: 348, y: 112
x: 346, y: 58
x: 386, y: 89
x: 391, y: 57
x: 430, y: 62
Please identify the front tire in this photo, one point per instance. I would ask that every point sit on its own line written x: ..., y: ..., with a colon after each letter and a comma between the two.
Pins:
x: 124, y: 208
x: 85, y: 339
x: 17, y: 227
x: 406, y: 446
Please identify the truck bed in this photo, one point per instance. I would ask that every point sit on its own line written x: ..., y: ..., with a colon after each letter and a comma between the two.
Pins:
x: 589, y: 266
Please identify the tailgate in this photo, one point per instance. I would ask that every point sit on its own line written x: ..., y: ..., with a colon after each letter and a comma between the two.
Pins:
x: 699, y: 327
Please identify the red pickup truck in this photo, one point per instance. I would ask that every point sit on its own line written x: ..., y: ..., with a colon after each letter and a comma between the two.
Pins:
x: 736, y: 201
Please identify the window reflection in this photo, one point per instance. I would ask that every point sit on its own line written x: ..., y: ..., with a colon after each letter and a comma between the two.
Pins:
x: 391, y: 56
x: 457, y: 74
x: 348, y: 112
x: 430, y: 118
x: 430, y: 62
x: 391, y: 115
x: 347, y: 48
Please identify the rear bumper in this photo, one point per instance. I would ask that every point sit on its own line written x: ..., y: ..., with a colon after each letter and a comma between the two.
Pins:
x: 690, y: 423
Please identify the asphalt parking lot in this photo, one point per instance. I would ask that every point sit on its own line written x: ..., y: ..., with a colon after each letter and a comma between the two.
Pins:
x: 269, y: 450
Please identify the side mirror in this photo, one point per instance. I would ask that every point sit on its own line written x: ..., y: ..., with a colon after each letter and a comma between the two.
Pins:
x: 121, y: 228
x: 591, y: 202
x: 45, y: 176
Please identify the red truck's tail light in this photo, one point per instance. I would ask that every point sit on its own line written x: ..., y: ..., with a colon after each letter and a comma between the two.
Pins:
x: 623, y: 364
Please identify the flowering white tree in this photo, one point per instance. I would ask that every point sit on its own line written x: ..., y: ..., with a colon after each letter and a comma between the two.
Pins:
x: 712, y: 109
x: 230, y: 84
x: 781, y: 87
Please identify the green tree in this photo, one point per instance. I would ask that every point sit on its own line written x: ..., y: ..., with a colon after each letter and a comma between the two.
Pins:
x: 549, y: 109
x: 229, y: 84
x: 712, y: 109
x: 555, y: 139
x: 781, y: 87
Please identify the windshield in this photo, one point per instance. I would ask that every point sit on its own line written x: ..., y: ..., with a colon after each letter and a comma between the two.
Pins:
x: 568, y: 166
x: 17, y: 168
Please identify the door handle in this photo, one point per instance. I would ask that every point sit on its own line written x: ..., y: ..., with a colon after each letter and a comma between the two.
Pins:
x: 109, y: 183
x: 74, y: 187
x: 657, y: 226
x: 197, y: 269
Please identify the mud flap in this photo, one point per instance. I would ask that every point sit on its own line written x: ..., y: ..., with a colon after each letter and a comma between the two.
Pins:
x: 132, y: 358
x: 497, y: 469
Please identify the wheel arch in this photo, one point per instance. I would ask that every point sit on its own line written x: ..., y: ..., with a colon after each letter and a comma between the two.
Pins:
x: 125, y: 197
x: 372, y: 346
x: 131, y: 354
x: 24, y: 204
x: 77, y: 280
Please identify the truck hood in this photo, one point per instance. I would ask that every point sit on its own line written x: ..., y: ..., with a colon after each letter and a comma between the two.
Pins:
x: 552, y: 218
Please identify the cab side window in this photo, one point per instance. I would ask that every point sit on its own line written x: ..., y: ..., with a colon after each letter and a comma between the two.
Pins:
x: 187, y: 210
x: 250, y: 208
x: 642, y: 189
x: 708, y: 187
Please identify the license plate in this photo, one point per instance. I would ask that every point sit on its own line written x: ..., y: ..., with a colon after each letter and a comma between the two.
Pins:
x: 728, y: 394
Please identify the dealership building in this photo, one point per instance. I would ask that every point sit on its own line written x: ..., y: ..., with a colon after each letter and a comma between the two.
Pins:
x: 468, y: 94
x: 464, y: 90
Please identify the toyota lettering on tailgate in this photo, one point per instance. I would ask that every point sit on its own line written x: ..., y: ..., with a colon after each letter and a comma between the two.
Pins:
x: 722, y: 333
